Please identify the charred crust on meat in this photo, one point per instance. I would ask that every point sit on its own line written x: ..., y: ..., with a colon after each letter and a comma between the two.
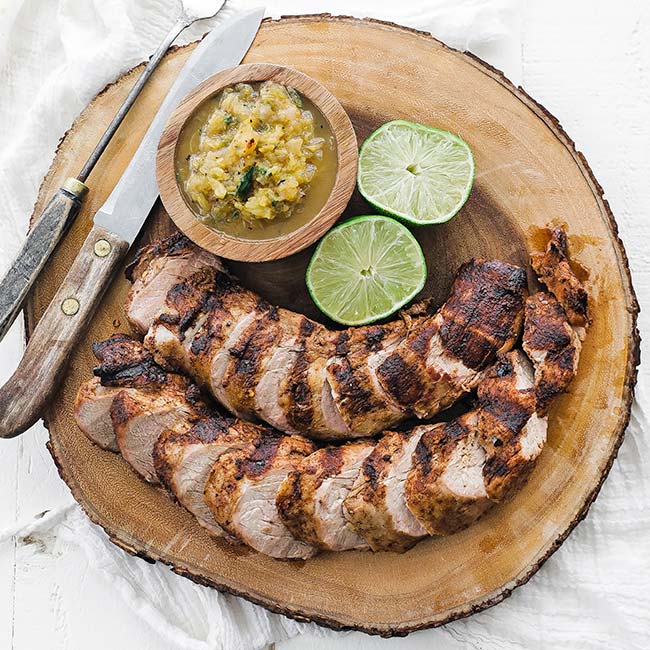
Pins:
x: 554, y: 270
x: 169, y: 246
x: 124, y: 361
x: 262, y: 457
x: 374, y: 336
x: 200, y: 343
x: 421, y: 339
x: 169, y: 319
x: 332, y: 461
x: 483, y: 311
x: 341, y: 344
x: 307, y: 327
x: 552, y: 344
x: 352, y: 396
x: 400, y: 379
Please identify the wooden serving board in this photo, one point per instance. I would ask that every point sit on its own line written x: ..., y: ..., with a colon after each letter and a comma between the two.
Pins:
x: 528, y: 174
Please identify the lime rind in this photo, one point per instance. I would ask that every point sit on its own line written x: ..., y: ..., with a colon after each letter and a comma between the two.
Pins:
x: 418, y: 184
x: 335, y: 275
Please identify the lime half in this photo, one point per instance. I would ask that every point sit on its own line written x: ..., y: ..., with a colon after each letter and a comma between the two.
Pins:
x: 415, y: 172
x: 365, y: 269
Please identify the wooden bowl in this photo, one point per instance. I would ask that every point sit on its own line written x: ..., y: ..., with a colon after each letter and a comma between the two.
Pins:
x: 528, y: 173
x: 246, y: 250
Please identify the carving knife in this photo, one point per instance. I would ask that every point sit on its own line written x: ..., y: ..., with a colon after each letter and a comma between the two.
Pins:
x: 116, y: 225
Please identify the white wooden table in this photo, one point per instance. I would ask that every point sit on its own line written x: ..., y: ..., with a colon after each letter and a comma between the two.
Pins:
x: 588, y: 62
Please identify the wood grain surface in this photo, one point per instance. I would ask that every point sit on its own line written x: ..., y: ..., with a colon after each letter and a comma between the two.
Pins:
x: 528, y: 174
x: 280, y: 247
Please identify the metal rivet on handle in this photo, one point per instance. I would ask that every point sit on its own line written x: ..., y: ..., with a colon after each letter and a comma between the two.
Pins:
x: 70, y: 306
x: 102, y: 248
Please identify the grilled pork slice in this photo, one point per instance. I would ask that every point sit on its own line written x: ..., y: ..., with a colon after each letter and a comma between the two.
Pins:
x: 92, y: 408
x: 310, y: 500
x: 302, y: 394
x: 242, y: 489
x: 552, y: 345
x: 376, y: 506
x: 554, y: 270
x: 184, y: 456
x: 270, y: 363
x: 360, y: 398
x: 445, y: 489
x: 124, y: 364
x: 511, y: 431
x: 139, y: 417
x: 156, y: 269
x: 442, y: 357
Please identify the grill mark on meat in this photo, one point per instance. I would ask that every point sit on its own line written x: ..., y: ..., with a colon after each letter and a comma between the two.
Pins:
x: 249, y: 357
x: 341, y: 346
x: 299, y: 403
x: 553, y: 346
x: 405, y: 374
x: 297, y: 513
x: 478, y: 316
x: 307, y: 327
x: 506, y: 417
x: 374, y: 336
x: 444, y: 488
x: 192, y: 296
x: 351, y: 397
x: 262, y: 457
x: 399, y: 380
x: 363, y: 402
x: 376, y: 506
x: 324, y: 478
x: 242, y: 496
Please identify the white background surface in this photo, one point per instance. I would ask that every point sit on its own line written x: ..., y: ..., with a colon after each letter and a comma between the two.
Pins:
x: 588, y: 62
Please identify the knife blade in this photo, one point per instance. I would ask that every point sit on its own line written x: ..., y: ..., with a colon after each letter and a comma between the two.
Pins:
x: 116, y: 225
x: 129, y: 203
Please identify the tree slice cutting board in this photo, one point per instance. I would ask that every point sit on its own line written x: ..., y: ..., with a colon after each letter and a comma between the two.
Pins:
x: 528, y: 175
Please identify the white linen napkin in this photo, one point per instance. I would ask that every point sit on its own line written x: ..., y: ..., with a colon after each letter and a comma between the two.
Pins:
x: 55, y: 55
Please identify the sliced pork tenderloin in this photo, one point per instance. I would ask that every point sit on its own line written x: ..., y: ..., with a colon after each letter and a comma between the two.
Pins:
x: 184, y: 456
x: 376, y: 506
x: 304, y: 395
x: 124, y: 365
x: 442, y: 357
x: 139, y: 417
x: 242, y: 490
x: 445, y: 488
x: 359, y: 396
x: 511, y: 432
x: 354, y: 382
x: 552, y: 345
x: 310, y: 500
x: 92, y: 412
x: 156, y: 269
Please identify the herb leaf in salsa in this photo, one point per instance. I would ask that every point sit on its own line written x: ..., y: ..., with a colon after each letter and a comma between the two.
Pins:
x: 295, y: 96
x: 246, y: 183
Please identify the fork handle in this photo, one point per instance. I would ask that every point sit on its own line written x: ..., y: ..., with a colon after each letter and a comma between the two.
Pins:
x: 37, y: 248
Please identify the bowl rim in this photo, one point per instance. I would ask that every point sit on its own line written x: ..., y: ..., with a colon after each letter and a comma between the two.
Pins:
x: 251, y: 250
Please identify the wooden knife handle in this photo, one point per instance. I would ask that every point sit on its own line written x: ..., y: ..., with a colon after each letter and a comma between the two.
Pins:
x: 37, y: 248
x: 24, y: 396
